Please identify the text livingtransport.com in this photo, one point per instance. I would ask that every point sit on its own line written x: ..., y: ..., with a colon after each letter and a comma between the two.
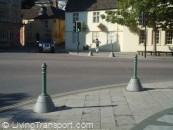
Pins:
x: 39, y: 125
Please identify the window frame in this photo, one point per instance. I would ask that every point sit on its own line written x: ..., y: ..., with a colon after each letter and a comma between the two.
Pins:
x: 75, y: 17
x: 110, y: 37
x: 96, y: 17
x: 158, y: 38
x: 169, y: 40
x: 142, y: 37
x: 46, y: 24
x: 94, y: 36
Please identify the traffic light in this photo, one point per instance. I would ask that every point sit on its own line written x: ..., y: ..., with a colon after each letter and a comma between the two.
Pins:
x: 78, y: 26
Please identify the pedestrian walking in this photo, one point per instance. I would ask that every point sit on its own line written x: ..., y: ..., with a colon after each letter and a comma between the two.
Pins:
x: 97, y: 45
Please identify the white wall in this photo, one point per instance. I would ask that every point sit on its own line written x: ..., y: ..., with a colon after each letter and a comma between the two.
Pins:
x: 126, y: 41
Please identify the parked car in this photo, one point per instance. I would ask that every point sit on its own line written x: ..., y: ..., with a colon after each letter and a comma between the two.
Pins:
x: 46, y: 45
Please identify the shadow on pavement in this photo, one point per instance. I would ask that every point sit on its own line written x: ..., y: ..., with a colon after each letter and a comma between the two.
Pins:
x: 29, y: 49
x: 18, y: 49
x: 62, y: 108
x: 162, y: 119
x: 11, y: 99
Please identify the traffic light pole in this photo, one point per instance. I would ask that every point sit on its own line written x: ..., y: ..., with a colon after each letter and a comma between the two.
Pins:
x: 143, y: 22
x: 78, y: 43
x: 145, y: 46
x: 145, y: 41
x: 78, y: 29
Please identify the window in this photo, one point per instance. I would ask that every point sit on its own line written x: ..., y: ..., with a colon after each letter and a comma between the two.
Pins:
x: 142, y: 37
x: 3, y: 15
x: 16, y: 2
x: 157, y: 37
x: 3, y: 37
x: 111, y: 37
x: 94, y: 36
x: 96, y: 16
x: 46, y: 24
x: 169, y: 37
x: 75, y: 17
x: 3, y: 1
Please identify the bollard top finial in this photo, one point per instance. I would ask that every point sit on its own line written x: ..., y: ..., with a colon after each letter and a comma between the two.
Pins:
x: 136, y: 56
x: 44, y: 65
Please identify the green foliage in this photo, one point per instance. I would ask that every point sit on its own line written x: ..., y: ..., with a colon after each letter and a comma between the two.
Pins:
x: 158, y: 13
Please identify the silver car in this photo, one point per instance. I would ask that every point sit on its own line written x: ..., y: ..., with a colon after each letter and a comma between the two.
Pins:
x: 46, y: 45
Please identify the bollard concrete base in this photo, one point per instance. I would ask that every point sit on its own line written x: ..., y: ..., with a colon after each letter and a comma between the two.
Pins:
x: 44, y: 104
x: 112, y: 54
x: 90, y: 53
x: 134, y: 85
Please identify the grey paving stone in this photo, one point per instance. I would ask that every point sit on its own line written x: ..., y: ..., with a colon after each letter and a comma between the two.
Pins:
x: 74, y: 103
x: 104, y: 91
x: 124, y: 127
x: 118, y: 98
x: 108, y: 119
x: 125, y: 120
x: 140, y: 115
x: 121, y: 108
x: 78, y: 97
x: 90, y: 103
x: 168, y: 93
x: 110, y: 126
x: 106, y: 111
x: 92, y: 93
x: 105, y: 97
x: 91, y: 118
x: 91, y: 110
x: 59, y: 103
x: 92, y: 97
x: 105, y: 102
x: 161, y: 127
x: 71, y: 113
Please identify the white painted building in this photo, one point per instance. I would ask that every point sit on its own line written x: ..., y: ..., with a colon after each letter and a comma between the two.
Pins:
x: 122, y: 39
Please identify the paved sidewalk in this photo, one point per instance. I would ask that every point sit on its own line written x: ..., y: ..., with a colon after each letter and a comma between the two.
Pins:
x: 106, y: 108
x: 118, y: 55
x: 104, y: 54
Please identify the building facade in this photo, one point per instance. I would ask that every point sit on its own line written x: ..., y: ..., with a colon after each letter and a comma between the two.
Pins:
x: 120, y: 37
x: 10, y: 13
x: 42, y: 21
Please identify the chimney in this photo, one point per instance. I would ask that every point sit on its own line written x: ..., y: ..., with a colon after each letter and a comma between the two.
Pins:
x: 55, y: 3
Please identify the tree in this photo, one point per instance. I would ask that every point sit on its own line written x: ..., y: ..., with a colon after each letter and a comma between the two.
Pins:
x: 157, y: 14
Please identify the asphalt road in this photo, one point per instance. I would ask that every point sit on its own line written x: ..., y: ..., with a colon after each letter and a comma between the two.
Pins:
x: 20, y: 73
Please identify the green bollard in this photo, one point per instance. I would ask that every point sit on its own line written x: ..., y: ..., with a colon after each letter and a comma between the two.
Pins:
x: 135, y: 67
x: 44, y: 103
x: 44, y: 67
x: 134, y: 84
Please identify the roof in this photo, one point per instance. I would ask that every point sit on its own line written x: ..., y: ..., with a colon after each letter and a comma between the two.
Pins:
x: 90, y: 5
x: 43, y: 2
x: 49, y: 13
